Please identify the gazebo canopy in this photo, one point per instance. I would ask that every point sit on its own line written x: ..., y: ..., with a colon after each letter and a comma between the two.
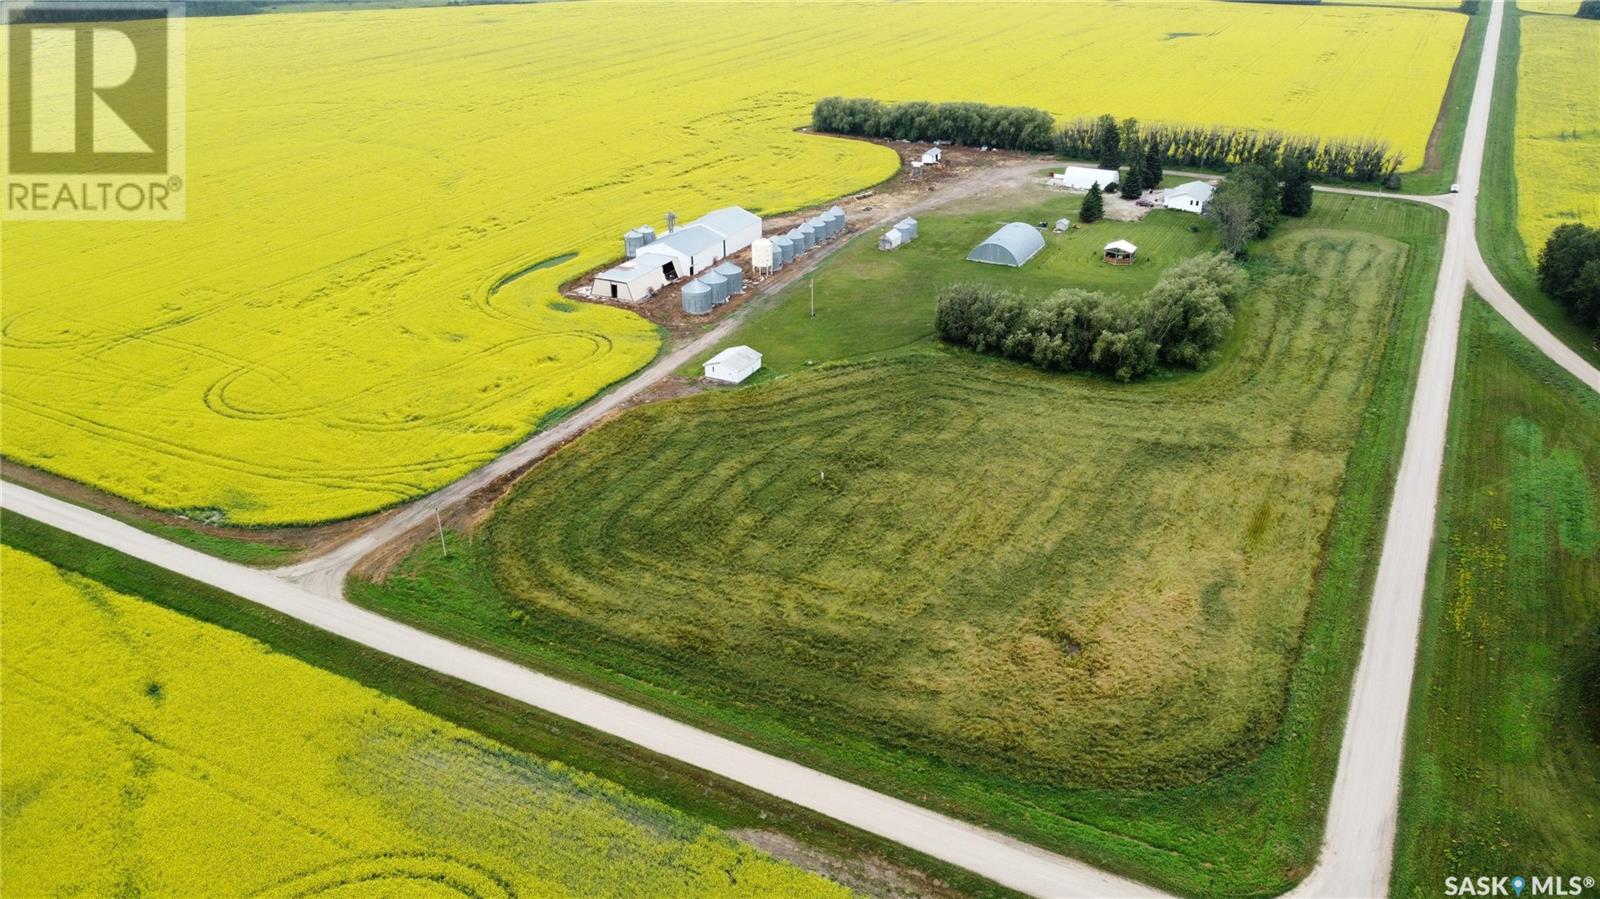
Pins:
x: 1121, y: 246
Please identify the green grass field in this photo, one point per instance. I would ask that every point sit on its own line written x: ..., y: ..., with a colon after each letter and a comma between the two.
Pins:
x: 869, y: 301
x: 1499, y: 238
x: 1503, y: 761
x: 1115, y: 620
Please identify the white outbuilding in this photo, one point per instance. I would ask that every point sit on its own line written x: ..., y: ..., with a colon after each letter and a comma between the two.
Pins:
x: 733, y: 365
x: 1078, y: 177
x: 634, y: 280
x: 739, y: 227
x: 1191, y: 196
x: 892, y: 239
x: 932, y: 156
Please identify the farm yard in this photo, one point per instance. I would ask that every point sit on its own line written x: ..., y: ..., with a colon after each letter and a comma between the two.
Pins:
x: 1503, y: 763
x: 186, y: 760
x: 870, y: 301
x: 1557, y: 126
x: 800, y: 564
x: 361, y: 305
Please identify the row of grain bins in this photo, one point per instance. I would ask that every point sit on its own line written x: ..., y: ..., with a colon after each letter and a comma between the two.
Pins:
x: 770, y: 254
x: 903, y: 232
x: 713, y: 289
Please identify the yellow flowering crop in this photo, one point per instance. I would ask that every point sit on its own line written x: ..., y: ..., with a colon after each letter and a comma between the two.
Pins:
x: 1558, y: 127
x: 145, y: 753
x: 320, y: 338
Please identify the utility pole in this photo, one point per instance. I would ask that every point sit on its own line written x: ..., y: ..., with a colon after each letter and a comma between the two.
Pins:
x: 813, y: 296
x: 439, y: 523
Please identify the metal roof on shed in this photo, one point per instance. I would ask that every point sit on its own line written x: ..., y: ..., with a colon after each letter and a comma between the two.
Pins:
x: 690, y: 241
x: 728, y: 221
x: 635, y: 268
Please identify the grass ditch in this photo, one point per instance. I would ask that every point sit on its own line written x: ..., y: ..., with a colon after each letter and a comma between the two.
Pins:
x: 1502, y: 769
x: 1499, y: 239
x: 1249, y: 825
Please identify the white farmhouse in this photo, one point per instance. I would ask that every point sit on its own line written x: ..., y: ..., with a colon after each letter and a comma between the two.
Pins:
x: 1191, y: 196
x: 733, y: 365
x: 1078, y: 177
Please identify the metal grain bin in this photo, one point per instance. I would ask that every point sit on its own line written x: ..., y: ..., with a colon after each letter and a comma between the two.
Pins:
x: 631, y: 242
x: 837, y: 213
x: 782, y: 251
x: 908, y: 227
x: 696, y: 298
x: 718, y: 285
x: 734, y: 274
x: 808, y: 234
x: 821, y: 227
x: 647, y: 233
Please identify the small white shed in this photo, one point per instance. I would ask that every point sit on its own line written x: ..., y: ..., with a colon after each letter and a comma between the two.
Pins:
x: 1078, y: 177
x: 891, y: 239
x: 932, y: 156
x: 733, y: 365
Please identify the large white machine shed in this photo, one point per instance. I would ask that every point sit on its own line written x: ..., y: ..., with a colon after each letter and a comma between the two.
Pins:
x: 634, y: 280
x: 739, y: 227
x: 1078, y: 177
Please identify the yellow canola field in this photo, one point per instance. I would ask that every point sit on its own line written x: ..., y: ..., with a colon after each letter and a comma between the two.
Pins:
x: 145, y: 753
x: 321, y: 337
x: 1557, y: 147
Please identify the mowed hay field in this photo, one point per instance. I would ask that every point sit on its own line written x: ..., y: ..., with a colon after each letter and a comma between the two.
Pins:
x: 146, y: 753
x: 1069, y: 580
x: 1557, y: 147
x: 322, y: 337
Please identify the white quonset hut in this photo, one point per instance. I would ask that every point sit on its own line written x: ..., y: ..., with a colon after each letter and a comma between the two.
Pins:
x: 1012, y: 245
x: 634, y: 280
x: 733, y: 365
x: 1190, y: 196
x: 1078, y: 177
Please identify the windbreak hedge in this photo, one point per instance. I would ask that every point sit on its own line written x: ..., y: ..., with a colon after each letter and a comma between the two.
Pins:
x: 1106, y: 139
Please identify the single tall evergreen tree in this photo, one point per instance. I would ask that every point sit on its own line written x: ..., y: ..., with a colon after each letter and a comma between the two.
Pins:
x: 1296, y: 195
x: 1094, y: 205
x: 1107, y: 142
x: 1133, y: 184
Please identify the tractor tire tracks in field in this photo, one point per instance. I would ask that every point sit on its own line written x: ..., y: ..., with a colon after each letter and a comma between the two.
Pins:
x: 1358, y: 845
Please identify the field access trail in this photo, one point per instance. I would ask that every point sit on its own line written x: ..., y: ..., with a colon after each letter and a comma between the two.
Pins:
x: 1358, y: 844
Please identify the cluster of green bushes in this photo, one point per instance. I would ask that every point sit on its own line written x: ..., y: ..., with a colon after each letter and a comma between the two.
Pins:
x: 1112, y: 144
x: 1253, y: 198
x: 1569, y: 271
x: 969, y: 124
x: 1179, y: 322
